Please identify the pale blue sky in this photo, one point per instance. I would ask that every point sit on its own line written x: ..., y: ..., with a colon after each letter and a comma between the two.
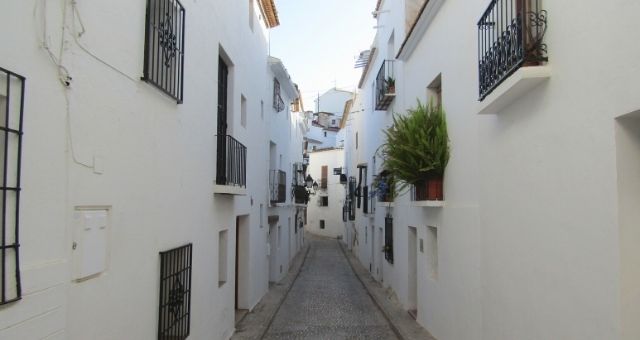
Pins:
x: 318, y: 42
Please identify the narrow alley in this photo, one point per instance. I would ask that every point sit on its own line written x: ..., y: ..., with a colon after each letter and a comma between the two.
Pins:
x: 327, y: 301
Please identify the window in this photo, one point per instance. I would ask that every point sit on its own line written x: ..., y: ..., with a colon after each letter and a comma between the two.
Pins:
x: 432, y: 252
x: 243, y: 111
x: 434, y: 91
x: 324, y: 201
x: 12, y: 94
x: 175, y: 293
x: 222, y: 257
x: 278, y: 103
x: 323, y: 177
x: 388, y: 239
x: 164, y: 47
x: 356, y: 141
x: 322, y: 224
x: 325, y: 133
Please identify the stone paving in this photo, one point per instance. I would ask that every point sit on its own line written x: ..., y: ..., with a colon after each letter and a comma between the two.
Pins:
x: 327, y: 301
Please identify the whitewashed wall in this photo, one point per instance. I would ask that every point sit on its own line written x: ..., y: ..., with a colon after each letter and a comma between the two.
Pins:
x: 534, y: 238
x: 116, y: 141
x: 332, y: 214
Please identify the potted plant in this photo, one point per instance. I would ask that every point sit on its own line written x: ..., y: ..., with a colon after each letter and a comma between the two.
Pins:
x: 416, y: 151
x: 384, y: 187
x: 391, y: 85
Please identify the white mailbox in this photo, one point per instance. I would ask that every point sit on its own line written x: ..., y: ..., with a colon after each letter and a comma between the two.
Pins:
x: 90, y: 242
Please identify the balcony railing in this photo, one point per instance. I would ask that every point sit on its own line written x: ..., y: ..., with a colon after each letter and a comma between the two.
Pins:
x: 278, y: 186
x: 365, y: 198
x: 510, y: 35
x: 231, y: 162
x: 300, y: 194
x: 385, y: 85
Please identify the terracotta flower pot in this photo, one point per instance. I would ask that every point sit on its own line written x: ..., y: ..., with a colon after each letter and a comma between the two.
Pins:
x: 435, y: 190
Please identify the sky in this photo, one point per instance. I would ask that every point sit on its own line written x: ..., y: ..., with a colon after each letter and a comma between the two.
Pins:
x: 319, y: 41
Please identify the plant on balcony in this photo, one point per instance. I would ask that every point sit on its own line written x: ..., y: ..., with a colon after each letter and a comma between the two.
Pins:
x: 416, y: 150
x: 391, y: 85
x: 384, y: 187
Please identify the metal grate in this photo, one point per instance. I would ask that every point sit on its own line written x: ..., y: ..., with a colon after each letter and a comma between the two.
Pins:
x: 175, y: 293
x: 278, y: 186
x: 278, y: 103
x: 164, y: 47
x: 510, y: 35
x: 352, y: 198
x: 385, y: 85
x: 231, y: 163
x: 388, y: 239
x: 12, y: 93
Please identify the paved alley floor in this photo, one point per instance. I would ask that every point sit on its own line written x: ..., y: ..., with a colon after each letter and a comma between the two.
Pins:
x: 327, y: 301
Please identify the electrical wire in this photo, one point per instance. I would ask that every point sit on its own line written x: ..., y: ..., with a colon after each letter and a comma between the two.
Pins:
x: 75, y: 13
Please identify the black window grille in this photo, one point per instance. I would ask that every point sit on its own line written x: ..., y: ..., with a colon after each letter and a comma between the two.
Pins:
x: 388, y: 239
x: 385, y: 86
x: 12, y: 95
x: 324, y: 201
x: 510, y: 35
x: 365, y: 198
x: 278, y: 103
x: 345, y: 211
x: 321, y: 224
x: 352, y: 198
x: 164, y: 47
x: 175, y: 293
x: 278, y: 186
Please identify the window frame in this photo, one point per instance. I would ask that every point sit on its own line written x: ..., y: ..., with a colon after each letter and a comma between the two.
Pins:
x: 161, y: 42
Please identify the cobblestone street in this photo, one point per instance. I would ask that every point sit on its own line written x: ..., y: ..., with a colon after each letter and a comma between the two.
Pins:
x: 327, y: 301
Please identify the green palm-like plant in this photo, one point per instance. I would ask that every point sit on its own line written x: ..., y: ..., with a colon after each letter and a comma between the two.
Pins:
x: 417, y: 145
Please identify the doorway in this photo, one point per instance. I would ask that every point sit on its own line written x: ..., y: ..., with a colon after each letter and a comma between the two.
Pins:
x: 273, y: 252
x: 412, y: 297
x: 242, y: 265
x: 373, y: 251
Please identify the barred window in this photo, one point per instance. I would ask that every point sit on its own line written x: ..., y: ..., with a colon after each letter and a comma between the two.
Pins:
x: 164, y: 47
x: 175, y: 293
x: 12, y: 93
x: 278, y: 103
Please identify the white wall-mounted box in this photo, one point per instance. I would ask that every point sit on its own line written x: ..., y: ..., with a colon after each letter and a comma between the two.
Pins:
x: 90, y: 242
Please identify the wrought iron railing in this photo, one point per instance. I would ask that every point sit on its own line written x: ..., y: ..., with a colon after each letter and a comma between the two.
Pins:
x: 351, y: 198
x: 385, y: 85
x: 388, y: 239
x: 12, y: 96
x: 510, y: 35
x: 175, y: 293
x: 278, y: 186
x: 365, y: 198
x: 164, y: 47
x: 231, y: 162
x: 300, y: 194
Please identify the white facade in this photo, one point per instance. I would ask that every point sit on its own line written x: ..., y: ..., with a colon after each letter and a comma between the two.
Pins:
x: 534, y: 239
x: 114, y: 149
x: 326, y: 220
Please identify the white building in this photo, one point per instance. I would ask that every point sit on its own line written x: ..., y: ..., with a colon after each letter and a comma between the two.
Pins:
x: 325, y: 206
x: 536, y: 238
x: 136, y: 195
x: 325, y: 125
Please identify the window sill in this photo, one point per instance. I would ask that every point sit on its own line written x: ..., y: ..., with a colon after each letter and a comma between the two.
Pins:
x: 514, y: 87
x: 428, y: 204
x: 229, y: 190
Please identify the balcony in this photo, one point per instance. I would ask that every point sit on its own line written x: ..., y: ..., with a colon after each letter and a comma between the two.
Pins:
x: 510, y: 36
x: 385, y: 86
x: 301, y: 195
x: 231, y: 166
x: 277, y: 186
